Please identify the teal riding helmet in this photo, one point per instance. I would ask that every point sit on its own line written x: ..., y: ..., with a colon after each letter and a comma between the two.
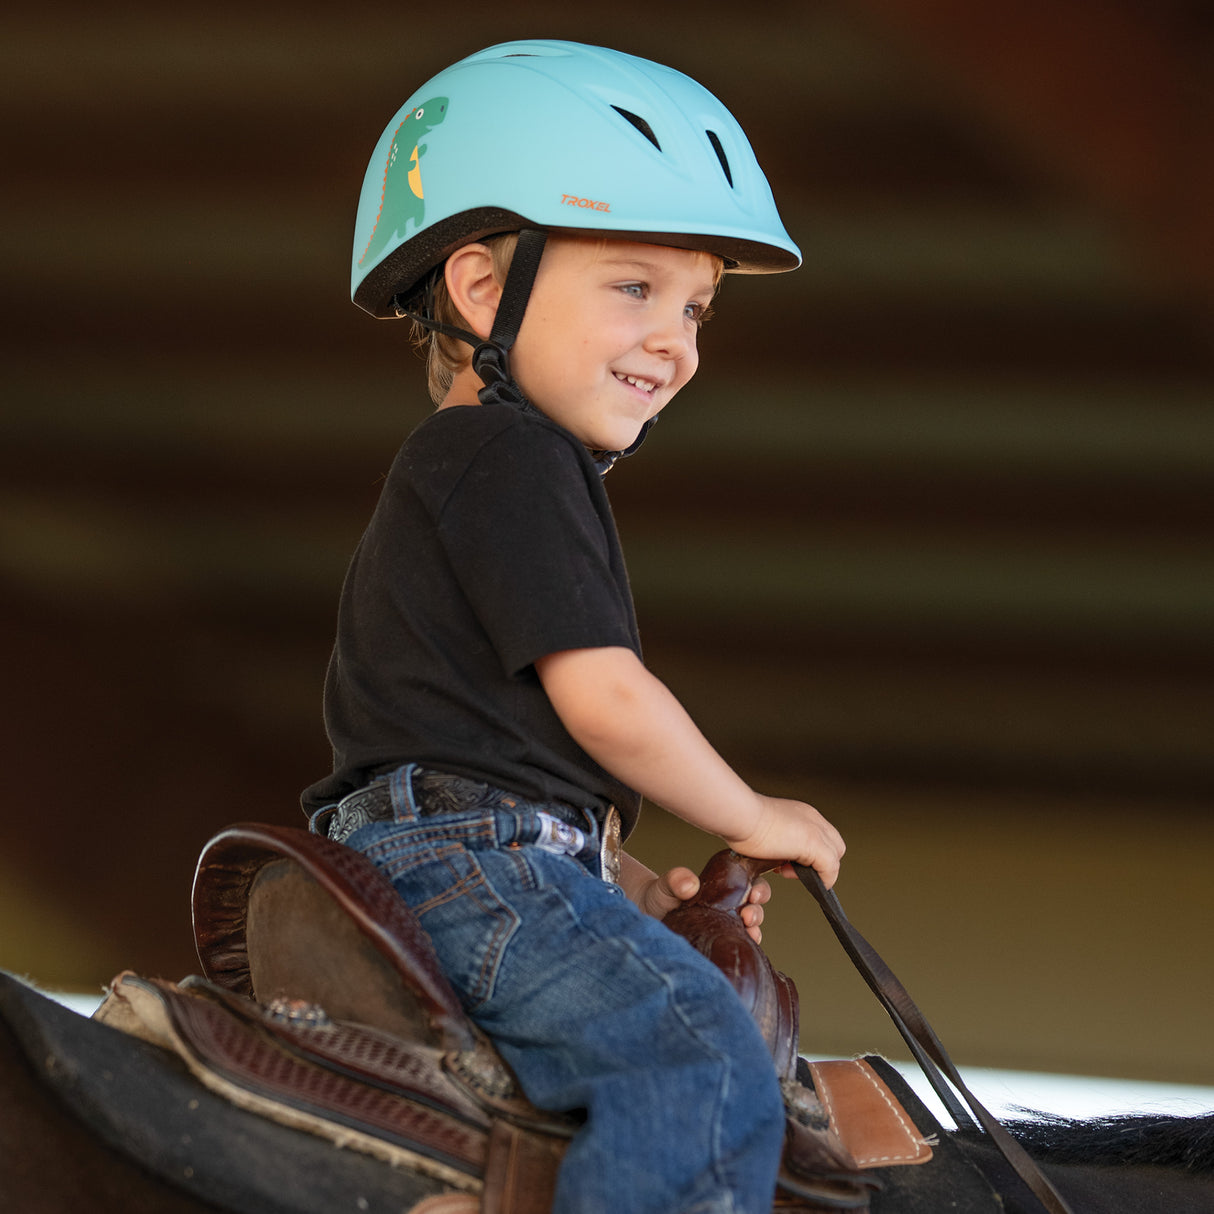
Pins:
x: 558, y: 136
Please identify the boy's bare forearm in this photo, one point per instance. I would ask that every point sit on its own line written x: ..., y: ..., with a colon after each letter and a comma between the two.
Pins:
x: 630, y: 722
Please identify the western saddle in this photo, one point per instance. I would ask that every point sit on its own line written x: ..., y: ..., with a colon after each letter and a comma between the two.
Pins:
x: 323, y: 1006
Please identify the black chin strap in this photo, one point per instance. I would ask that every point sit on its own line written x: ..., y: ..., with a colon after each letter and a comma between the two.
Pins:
x: 604, y: 461
x: 491, y: 358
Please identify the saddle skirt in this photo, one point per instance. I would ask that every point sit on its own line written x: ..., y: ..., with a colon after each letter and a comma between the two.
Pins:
x: 449, y: 1116
x: 323, y: 1006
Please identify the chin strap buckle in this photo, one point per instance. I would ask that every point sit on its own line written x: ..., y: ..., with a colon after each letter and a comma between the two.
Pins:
x: 492, y: 363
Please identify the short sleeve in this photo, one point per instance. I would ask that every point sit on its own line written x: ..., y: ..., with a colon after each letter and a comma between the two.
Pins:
x: 532, y: 544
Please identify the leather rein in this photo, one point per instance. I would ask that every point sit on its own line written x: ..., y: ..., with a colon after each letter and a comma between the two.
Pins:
x: 928, y: 1052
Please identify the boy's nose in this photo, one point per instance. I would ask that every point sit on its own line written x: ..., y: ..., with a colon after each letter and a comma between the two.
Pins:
x: 672, y: 338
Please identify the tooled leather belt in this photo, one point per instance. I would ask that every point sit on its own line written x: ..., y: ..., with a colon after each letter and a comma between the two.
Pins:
x: 562, y: 828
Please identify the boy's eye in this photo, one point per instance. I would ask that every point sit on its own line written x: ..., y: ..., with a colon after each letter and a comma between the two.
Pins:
x: 698, y: 313
x: 638, y: 290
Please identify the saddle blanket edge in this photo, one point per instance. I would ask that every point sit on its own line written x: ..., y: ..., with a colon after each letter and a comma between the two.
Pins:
x: 139, y: 1007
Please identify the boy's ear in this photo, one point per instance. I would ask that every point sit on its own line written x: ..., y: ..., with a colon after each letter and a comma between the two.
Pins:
x: 474, y: 290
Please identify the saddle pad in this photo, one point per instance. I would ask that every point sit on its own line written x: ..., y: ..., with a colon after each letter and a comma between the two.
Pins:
x: 243, y: 1063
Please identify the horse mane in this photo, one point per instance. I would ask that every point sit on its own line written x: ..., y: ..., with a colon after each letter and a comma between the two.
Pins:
x: 1124, y: 1139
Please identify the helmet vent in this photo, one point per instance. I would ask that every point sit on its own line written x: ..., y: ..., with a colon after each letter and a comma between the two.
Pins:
x: 640, y: 124
x: 720, y: 151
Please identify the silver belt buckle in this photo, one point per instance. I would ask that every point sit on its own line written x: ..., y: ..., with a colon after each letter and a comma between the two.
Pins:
x: 611, y: 846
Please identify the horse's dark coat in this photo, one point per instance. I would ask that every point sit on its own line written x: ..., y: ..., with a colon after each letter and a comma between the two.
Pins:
x: 1129, y: 1139
x: 94, y: 1120
x: 49, y: 1161
x: 1099, y: 1188
x: 143, y: 1104
x: 1118, y: 1165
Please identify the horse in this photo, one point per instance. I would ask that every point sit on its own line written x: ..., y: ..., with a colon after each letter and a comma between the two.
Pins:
x: 166, y: 1102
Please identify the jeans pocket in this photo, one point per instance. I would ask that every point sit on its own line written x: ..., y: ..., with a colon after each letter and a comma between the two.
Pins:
x: 470, y: 924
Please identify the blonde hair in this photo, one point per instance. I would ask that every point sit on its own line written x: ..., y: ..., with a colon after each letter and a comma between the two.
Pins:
x: 445, y: 355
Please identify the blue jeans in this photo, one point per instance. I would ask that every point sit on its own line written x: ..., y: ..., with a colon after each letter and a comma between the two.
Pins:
x: 596, y: 1006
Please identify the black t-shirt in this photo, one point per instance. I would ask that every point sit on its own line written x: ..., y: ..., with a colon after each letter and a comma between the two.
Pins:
x: 492, y: 545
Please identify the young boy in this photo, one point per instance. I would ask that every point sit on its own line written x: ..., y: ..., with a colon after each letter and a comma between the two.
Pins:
x: 556, y: 217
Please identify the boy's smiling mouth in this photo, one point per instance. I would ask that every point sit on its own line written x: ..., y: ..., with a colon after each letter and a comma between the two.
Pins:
x: 645, y: 385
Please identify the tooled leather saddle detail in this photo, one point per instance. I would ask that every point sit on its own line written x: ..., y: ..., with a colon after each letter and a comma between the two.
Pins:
x: 279, y: 912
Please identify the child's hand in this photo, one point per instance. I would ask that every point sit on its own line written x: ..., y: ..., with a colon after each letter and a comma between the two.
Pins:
x: 793, y: 831
x: 661, y: 895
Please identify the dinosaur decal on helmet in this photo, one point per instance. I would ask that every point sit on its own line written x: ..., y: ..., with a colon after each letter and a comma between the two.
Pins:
x: 668, y: 163
x: 403, y: 199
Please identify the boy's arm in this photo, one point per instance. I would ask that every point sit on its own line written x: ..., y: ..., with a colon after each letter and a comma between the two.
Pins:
x: 628, y: 721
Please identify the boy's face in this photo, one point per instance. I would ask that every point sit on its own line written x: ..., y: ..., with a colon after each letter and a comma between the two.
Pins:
x: 609, y: 335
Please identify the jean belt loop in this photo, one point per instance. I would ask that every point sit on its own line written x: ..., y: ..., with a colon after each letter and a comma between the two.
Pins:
x: 401, y: 787
x: 318, y: 823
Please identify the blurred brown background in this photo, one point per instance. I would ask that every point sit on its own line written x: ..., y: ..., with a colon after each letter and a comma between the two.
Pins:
x: 927, y: 542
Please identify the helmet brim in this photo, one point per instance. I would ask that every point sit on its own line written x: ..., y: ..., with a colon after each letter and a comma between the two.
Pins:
x: 400, y: 275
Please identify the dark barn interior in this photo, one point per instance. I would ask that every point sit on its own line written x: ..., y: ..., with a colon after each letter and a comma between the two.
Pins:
x: 926, y: 542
